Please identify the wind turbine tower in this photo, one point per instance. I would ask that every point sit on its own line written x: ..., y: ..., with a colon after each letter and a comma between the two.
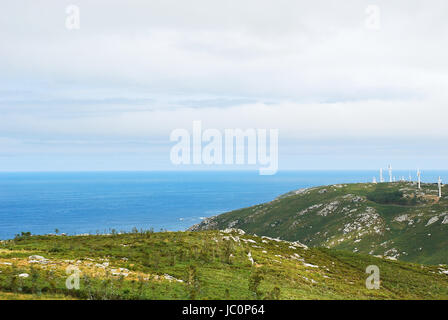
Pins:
x: 374, y: 180
x: 381, y: 175
x: 440, y: 187
x: 390, y: 173
x: 419, y: 174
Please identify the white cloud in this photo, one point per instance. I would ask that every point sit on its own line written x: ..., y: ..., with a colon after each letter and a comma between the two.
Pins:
x: 137, y: 70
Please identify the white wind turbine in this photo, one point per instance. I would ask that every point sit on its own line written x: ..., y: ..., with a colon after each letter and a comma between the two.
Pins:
x: 419, y: 175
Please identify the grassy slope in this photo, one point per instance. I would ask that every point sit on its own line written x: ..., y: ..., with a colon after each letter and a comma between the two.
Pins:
x: 343, y: 217
x: 210, y: 264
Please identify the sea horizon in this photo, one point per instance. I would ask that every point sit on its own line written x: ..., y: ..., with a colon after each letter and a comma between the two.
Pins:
x: 96, y: 202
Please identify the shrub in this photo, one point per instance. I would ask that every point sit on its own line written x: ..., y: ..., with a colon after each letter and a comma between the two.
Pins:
x: 255, y: 279
x: 387, y: 197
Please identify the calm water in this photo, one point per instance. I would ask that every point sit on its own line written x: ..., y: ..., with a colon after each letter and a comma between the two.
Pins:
x: 101, y: 201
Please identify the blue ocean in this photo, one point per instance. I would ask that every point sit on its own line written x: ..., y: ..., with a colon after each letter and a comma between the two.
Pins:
x: 97, y: 202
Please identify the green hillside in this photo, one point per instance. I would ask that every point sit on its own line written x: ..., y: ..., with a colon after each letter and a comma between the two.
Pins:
x: 202, y: 265
x: 395, y: 220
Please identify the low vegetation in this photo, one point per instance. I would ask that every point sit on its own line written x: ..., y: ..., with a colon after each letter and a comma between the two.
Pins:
x: 201, y: 265
x: 395, y: 220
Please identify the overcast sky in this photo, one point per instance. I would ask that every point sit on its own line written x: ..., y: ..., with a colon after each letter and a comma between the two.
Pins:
x: 343, y: 92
